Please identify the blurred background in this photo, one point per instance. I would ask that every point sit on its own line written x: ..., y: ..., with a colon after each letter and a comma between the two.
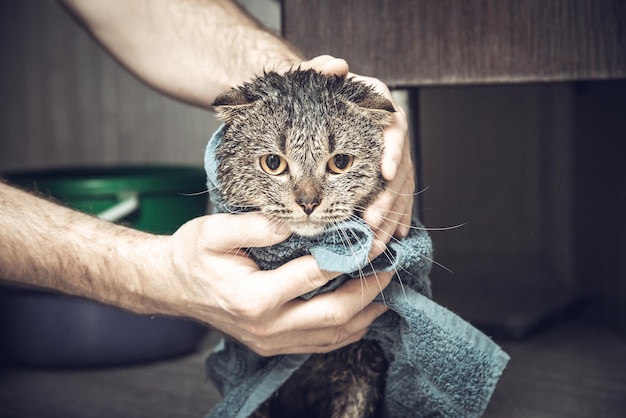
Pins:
x: 528, y: 155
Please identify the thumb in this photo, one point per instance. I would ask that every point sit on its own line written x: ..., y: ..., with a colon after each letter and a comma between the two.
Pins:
x: 328, y: 65
x: 244, y: 230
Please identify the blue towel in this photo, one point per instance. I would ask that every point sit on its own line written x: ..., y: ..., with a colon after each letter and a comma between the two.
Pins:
x: 439, y: 364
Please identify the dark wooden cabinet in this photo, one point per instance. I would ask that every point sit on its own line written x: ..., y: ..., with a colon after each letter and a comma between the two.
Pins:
x: 432, y: 42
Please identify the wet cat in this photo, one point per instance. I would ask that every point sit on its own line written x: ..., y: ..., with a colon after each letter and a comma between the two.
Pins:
x: 305, y: 149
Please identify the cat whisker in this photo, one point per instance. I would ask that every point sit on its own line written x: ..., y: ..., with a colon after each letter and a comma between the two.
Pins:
x: 444, y: 228
x: 209, y: 190
x: 194, y: 194
x: 239, y: 249
x: 435, y: 262
x: 419, y: 228
x: 347, y: 242
x: 391, y: 237
x: 234, y: 210
x: 397, y: 193
x: 389, y: 256
x: 510, y: 402
x: 380, y: 288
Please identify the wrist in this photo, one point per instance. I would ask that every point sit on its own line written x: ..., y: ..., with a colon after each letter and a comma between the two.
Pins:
x: 50, y: 246
x: 144, y: 279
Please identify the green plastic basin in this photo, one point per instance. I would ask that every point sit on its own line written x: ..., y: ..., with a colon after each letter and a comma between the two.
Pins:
x: 165, y: 196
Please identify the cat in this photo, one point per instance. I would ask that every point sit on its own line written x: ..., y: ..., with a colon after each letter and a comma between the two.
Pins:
x: 305, y: 150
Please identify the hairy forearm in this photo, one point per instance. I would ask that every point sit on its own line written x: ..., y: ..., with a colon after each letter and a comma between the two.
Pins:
x: 189, y: 49
x: 46, y: 245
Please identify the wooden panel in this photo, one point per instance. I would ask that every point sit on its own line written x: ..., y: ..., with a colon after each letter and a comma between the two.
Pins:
x: 600, y: 179
x: 487, y: 160
x: 499, y: 158
x: 424, y: 42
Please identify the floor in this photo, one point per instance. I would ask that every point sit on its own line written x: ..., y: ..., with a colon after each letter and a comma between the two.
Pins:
x: 574, y: 370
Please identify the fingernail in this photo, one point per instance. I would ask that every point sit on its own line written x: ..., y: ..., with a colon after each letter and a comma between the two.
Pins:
x: 382, y: 309
x: 374, y: 217
x: 403, y: 231
x: 389, y: 170
x: 378, y: 247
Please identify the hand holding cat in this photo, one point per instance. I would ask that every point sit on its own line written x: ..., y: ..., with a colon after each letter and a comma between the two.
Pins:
x: 220, y: 285
x: 390, y: 214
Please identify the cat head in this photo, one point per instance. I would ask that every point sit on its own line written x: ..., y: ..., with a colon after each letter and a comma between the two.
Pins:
x: 303, y: 148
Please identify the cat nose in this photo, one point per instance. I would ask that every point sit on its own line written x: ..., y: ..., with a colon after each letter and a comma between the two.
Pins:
x: 308, y: 205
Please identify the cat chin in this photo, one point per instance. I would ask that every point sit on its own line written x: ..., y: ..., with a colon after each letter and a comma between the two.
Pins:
x: 307, y: 229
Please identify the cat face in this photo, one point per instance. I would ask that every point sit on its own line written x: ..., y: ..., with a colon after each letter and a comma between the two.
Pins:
x: 302, y: 148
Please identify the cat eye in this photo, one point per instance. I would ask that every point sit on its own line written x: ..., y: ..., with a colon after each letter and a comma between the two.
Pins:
x: 273, y: 164
x: 340, y: 163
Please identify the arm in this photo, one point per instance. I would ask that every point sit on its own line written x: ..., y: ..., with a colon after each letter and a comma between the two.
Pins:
x: 47, y: 245
x: 195, y: 273
x: 189, y: 49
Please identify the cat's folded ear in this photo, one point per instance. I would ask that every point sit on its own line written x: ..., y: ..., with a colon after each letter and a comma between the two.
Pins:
x: 377, y: 108
x: 231, y: 103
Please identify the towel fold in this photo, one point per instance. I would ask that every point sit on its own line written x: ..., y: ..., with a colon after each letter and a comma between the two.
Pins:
x: 439, y: 364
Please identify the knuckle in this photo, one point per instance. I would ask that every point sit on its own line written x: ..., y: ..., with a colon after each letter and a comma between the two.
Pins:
x: 259, y: 348
x: 407, y: 162
x: 338, y: 317
x: 247, y: 309
x: 262, y: 332
x: 410, y: 178
x: 258, y: 339
x: 263, y: 348
x: 315, y: 277
x: 253, y: 313
x: 340, y: 335
x: 265, y: 353
x: 404, y: 122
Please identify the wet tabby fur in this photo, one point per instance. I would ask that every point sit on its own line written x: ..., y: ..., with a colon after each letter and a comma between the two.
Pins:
x: 305, y: 149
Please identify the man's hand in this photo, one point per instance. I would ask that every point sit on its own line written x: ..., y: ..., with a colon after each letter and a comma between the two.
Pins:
x: 216, y: 283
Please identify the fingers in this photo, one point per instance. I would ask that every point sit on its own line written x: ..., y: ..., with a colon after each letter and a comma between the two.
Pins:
x: 395, y: 137
x: 406, y: 192
x: 295, y: 278
x: 390, y: 213
x: 327, y: 64
x: 320, y: 340
x: 338, y: 307
x: 395, y: 134
x: 328, y: 320
x: 243, y: 231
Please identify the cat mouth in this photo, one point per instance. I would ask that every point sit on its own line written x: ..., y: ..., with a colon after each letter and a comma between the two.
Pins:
x: 307, y: 228
x: 308, y: 225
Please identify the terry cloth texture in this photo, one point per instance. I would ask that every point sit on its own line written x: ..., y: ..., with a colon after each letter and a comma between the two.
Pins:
x: 439, y: 364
